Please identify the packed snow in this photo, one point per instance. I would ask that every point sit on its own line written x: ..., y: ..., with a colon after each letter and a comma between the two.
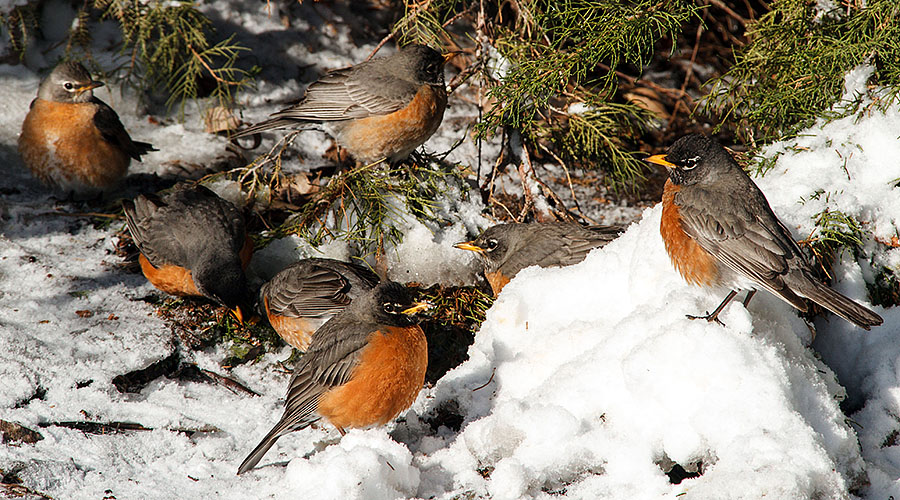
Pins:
x: 583, y: 382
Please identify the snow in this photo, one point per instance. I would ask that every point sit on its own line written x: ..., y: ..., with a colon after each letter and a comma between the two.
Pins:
x: 583, y: 382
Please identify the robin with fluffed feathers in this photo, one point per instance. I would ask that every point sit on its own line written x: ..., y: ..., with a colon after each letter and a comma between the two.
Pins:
x: 379, y: 109
x: 363, y: 367
x: 193, y: 244
x: 719, y: 231
x: 73, y: 141
x: 506, y: 249
x: 306, y: 294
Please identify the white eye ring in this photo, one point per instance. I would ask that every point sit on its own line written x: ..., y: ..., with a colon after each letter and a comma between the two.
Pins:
x: 691, y: 163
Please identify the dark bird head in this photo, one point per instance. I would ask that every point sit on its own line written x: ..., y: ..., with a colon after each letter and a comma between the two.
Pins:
x: 394, y: 304
x: 69, y: 82
x: 494, y: 245
x: 695, y: 159
x: 425, y: 64
x: 226, y: 284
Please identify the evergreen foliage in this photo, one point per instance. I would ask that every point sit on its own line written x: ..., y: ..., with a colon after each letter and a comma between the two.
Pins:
x: 365, y: 205
x: 792, y: 70
x: 835, y: 232
x: 20, y: 23
x: 562, y: 52
x: 461, y: 306
x: 171, y: 46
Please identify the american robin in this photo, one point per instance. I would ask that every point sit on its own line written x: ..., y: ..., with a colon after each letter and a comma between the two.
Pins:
x: 506, y: 249
x: 363, y: 367
x: 306, y: 294
x: 73, y: 141
x: 380, y: 109
x: 719, y: 230
x: 192, y: 243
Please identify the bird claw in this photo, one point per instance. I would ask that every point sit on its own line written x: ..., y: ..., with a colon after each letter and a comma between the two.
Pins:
x: 708, y: 317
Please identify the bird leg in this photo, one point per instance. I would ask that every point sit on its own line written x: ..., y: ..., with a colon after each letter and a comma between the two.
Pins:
x: 749, y: 296
x: 714, y: 315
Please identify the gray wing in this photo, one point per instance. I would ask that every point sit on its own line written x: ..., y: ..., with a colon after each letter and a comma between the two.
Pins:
x: 139, y: 215
x: 185, y: 225
x: 107, y: 122
x: 754, y: 244
x: 346, y: 95
x: 328, y: 363
x: 557, y: 244
x: 316, y: 287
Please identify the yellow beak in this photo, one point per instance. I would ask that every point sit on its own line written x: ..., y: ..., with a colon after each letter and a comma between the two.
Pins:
x: 451, y: 55
x: 470, y: 246
x: 417, y: 307
x: 91, y: 86
x: 660, y: 160
x: 238, y: 315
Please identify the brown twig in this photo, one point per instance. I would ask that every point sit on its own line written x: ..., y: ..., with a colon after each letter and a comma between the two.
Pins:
x: 85, y: 214
x: 689, y: 73
x: 731, y: 13
x: 480, y: 387
x: 211, y: 71
x: 381, y: 44
x: 569, y: 180
x: 228, y: 383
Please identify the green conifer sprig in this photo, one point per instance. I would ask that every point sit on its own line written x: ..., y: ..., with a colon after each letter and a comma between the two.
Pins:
x: 367, y: 205
x: 21, y: 22
x: 562, y: 51
x: 794, y: 65
x: 80, y: 32
x: 423, y: 22
x: 458, y: 305
x: 574, y: 43
x: 834, y: 232
x: 169, y: 48
x: 600, y: 135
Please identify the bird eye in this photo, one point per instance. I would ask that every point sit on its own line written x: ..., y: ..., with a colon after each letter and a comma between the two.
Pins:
x: 68, y: 86
x: 389, y: 307
x: 491, y: 244
x: 690, y: 163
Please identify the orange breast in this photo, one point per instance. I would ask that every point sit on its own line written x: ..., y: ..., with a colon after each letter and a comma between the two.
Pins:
x: 386, y: 381
x: 694, y: 263
x: 61, y: 146
x: 497, y: 281
x: 174, y: 280
x: 396, y: 134
x: 295, y: 331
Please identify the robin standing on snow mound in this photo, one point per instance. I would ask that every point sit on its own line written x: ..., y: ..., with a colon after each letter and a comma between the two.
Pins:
x: 192, y: 243
x: 363, y: 367
x: 306, y: 294
x: 719, y: 230
x: 380, y: 109
x: 506, y: 249
x: 73, y: 141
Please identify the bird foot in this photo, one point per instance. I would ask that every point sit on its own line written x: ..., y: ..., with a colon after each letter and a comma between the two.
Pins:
x: 708, y: 317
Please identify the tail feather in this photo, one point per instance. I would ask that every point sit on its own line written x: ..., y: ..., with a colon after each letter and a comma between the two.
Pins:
x: 256, y: 455
x: 844, y: 307
x: 288, y: 423
x: 142, y: 148
x: 131, y: 220
x: 266, y: 125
